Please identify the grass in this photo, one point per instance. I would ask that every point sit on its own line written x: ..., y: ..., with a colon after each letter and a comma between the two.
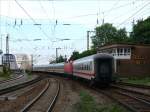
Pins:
x: 4, y: 76
x: 6, y: 73
x: 29, y: 74
x: 88, y: 104
x: 141, y: 81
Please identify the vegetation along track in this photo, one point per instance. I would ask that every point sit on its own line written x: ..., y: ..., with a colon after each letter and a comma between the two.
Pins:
x: 131, y: 97
x: 45, y: 100
x: 11, y: 79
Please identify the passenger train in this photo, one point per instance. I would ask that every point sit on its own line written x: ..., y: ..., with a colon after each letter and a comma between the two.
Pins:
x: 97, y: 68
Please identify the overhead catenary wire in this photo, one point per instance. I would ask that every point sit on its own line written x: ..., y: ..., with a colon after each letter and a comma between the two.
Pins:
x: 123, y: 14
x: 113, y: 6
x: 105, y: 11
x: 31, y: 18
x: 43, y: 9
x: 134, y: 13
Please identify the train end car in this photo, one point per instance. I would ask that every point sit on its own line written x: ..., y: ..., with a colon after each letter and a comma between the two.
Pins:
x: 97, y: 68
x: 104, y: 68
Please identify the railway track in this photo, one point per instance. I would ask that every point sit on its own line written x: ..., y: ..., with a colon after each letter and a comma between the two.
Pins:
x: 129, y: 96
x: 19, y: 86
x: 19, y: 92
x: 141, y: 90
x: 45, y: 100
x: 14, y: 101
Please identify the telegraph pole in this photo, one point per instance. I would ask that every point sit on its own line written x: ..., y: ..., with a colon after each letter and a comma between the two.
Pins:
x: 7, y: 44
x: 88, y: 40
x: 88, y: 33
x: 32, y: 62
x: 7, y: 51
x: 57, y: 53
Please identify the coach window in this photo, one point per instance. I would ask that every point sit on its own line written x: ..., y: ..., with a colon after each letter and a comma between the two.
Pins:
x: 87, y: 66
x: 84, y: 67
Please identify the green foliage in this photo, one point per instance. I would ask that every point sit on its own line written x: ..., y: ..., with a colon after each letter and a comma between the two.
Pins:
x: 108, y: 34
x: 140, y: 81
x: 28, y: 72
x: 76, y: 55
x: 87, y: 53
x: 141, y: 32
x: 110, y: 108
x: 88, y: 104
x: 59, y: 60
x: 6, y: 72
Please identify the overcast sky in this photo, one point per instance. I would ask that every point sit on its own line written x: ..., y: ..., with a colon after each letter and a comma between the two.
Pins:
x: 82, y: 15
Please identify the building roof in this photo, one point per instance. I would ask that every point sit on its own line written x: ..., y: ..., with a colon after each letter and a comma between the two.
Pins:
x: 121, y: 46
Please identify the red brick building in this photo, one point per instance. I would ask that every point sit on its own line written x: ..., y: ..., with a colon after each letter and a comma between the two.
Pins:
x: 130, y: 60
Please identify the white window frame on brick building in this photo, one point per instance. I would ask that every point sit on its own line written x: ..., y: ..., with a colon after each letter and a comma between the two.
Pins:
x: 121, y: 53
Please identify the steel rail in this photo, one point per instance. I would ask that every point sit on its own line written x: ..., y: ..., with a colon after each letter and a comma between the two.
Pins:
x: 131, y: 102
x: 19, y: 86
x: 54, y: 99
x: 26, y: 108
x: 11, y: 79
x: 50, y: 107
x: 134, y: 85
x: 132, y: 91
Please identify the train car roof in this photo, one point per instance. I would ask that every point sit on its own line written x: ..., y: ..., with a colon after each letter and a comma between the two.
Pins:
x: 92, y: 57
x: 49, y: 65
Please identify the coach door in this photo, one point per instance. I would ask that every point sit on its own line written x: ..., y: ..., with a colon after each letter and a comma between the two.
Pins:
x: 104, y: 69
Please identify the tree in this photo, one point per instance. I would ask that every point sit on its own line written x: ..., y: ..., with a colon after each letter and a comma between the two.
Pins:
x: 58, y: 60
x: 74, y: 56
x: 122, y: 36
x: 141, y: 32
x: 87, y: 53
x: 107, y: 33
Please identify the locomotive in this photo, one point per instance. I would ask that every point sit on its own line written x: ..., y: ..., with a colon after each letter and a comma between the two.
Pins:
x: 97, y: 68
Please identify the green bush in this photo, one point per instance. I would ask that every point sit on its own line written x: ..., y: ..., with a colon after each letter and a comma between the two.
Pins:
x: 6, y: 72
